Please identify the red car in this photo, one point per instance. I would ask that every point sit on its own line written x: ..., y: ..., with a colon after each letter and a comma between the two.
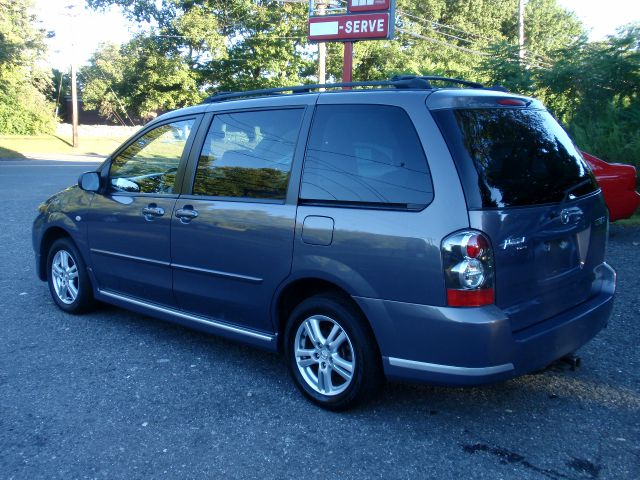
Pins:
x: 618, y: 183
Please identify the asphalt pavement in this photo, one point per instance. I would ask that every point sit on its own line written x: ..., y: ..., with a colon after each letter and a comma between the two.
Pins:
x: 117, y: 395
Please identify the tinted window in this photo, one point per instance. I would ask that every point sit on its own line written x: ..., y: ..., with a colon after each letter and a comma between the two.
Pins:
x: 514, y: 157
x: 149, y: 164
x: 368, y: 154
x: 248, y: 154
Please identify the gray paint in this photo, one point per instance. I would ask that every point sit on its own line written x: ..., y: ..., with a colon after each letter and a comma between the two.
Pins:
x: 224, y: 270
x: 317, y: 230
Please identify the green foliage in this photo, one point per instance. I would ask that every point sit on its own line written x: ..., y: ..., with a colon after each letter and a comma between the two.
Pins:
x: 592, y: 87
x: 614, y: 134
x: 137, y: 80
x: 199, y: 46
x: 23, y: 105
x: 607, y: 118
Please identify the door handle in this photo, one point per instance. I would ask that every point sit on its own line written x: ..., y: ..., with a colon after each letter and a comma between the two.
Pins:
x: 152, y: 211
x: 186, y: 214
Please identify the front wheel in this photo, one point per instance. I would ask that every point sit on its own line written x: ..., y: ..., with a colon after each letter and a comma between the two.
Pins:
x: 67, y: 277
x: 331, y: 352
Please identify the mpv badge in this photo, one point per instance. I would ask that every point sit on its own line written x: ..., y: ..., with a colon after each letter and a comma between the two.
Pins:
x: 565, y: 216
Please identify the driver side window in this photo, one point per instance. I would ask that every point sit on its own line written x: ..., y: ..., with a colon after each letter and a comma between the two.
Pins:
x: 150, y: 164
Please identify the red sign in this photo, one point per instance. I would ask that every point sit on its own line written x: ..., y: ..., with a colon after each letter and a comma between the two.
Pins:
x: 368, y: 5
x: 347, y: 28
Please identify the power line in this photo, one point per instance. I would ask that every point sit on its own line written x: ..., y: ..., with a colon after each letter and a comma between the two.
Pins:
x: 449, y: 27
x: 539, y: 60
x: 443, y: 43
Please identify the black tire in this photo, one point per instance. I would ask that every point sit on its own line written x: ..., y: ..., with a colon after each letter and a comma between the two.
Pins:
x: 361, y: 351
x: 83, y: 300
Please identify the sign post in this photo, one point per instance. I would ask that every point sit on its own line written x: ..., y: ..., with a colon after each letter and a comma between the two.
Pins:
x: 347, y: 63
x: 361, y: 20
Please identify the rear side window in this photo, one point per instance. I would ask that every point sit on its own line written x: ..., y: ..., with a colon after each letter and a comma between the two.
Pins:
x: 513, y: 157
x: 365, y: 155
x: 248, y: 154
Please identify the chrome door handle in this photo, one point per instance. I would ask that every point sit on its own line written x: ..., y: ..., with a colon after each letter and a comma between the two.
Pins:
x: 152, y: 211
x: 186, y: 214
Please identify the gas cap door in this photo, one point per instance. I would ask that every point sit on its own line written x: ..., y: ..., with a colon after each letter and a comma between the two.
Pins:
x: 317, y: 230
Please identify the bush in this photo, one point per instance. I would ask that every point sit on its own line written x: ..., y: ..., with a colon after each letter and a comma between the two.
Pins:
x: 613, y: 135
x: 24, y: 113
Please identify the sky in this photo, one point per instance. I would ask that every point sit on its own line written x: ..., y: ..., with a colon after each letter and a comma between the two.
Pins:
x: 89, y: 28
x: 92, y: 28
x: 602, y: 18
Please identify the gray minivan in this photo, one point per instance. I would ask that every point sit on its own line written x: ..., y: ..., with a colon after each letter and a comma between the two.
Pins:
x: 448, y: 235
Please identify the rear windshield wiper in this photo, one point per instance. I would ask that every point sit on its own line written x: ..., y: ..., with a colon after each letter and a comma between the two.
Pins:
x: 567, y: 196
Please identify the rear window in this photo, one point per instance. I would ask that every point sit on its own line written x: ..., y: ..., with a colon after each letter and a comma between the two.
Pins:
x: 513, y: 157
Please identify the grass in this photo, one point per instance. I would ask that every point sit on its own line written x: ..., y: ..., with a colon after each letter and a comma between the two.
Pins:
x: 19, y: 146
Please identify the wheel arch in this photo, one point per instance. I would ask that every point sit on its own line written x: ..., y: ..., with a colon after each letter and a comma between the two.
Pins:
x: 297, y: 290
x: 49, y: 237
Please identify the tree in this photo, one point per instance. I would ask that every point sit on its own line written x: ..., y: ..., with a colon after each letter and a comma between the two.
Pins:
x: 605, y: 118
x: 137, y: 80
x: 23, y: 105
x: 199, y: 46
x: 591, y: 87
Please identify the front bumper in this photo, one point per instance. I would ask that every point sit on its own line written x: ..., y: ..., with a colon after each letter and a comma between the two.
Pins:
x: 470, y: 346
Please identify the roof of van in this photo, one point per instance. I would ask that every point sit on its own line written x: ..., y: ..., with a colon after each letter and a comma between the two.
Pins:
x: 463, y: 94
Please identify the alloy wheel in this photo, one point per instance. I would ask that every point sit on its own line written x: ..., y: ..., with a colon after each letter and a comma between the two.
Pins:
x: 64, y: 273
x: 324, y: 355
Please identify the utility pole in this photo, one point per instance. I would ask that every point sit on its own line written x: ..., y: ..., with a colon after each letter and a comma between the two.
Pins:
x: 74, y: 90
x: 74, y: 105
x: 521, y: 30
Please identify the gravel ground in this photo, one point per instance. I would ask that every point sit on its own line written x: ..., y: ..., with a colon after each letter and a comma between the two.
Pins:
x: 118, y: 395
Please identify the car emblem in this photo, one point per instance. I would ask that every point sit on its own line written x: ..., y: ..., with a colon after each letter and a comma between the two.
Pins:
x: 519, y: 243
x: 565, y: 216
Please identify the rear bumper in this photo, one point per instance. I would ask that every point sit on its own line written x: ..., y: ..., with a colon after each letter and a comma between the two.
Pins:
x: 470, y: 346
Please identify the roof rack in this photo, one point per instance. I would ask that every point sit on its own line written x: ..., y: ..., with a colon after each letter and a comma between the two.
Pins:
x: 431, y: 78
x: 400, y: 82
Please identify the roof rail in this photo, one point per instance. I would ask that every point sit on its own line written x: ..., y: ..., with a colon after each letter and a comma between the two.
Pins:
x: 432, y: 78
x: 217, y: 97
x: 399, y: 82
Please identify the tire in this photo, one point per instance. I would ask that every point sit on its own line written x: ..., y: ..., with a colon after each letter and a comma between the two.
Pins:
x: 331, y: 353
x: 68, y: 279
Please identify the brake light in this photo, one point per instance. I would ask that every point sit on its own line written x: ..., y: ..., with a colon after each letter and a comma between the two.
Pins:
x: 468, y: 269
x: 513, y: 102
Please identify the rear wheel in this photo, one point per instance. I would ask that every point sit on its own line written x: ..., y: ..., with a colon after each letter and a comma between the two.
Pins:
x: 67, y: 277
x: 331, y: 352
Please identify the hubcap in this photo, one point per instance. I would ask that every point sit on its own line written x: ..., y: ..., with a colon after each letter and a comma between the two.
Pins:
x: 64, y: 274
x: 324, y: 355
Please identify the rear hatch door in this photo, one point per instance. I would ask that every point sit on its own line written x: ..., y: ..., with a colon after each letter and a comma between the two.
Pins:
x: 530, y: 191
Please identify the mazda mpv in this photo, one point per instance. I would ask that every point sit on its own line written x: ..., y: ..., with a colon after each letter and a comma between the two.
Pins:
x: 390, y: 229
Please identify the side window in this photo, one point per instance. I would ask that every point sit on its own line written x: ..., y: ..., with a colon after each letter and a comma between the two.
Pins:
x: 149, y: 164
x: 248, y: 154
x: 368, y: 154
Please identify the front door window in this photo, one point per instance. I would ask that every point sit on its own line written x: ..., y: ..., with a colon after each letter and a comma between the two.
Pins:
x: 150, y: 164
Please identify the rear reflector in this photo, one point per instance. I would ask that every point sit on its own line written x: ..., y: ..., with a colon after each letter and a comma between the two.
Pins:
x: 470, y: 298
x: 514, y: 102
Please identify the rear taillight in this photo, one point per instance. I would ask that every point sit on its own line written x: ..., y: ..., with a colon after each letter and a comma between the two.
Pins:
x: 468, y: 269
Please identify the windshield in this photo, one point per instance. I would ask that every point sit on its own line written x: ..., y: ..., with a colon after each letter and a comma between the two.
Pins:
x: 511, y: 157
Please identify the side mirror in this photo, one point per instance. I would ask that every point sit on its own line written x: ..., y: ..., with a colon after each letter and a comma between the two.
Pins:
x: 89, y: 181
